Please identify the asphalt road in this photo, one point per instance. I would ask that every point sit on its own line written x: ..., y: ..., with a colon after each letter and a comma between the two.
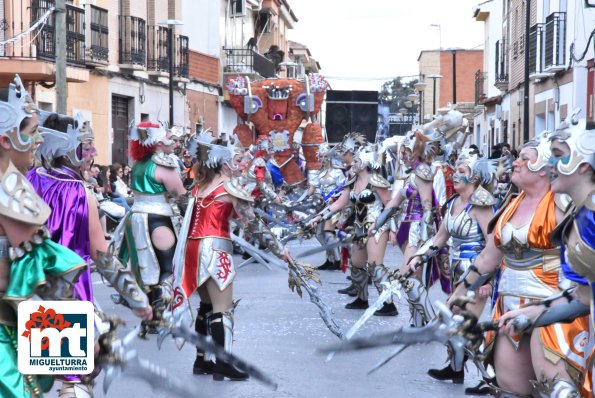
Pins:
x: 280, y: 333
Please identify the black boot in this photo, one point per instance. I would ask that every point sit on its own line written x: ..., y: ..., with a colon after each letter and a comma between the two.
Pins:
x: 448, y: 373
x: 388, y: 309
x: 335, y: 266
x: 327, y: 264
x: 357, y: 304
x: 359, y: 279
x: 350, y: 290
x: 222, y: 332
x: 158, y: 304
x: 481, y: 389
x: 202, y: 366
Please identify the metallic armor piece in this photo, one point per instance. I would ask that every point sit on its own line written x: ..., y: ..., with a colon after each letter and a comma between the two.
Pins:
x: 4, y: 247
x: 216, y: 261
x: 420, y: 306
x: 149, y: 134
x: 379, y: 273
x: 75, y: 390
x: 467, y: 241
x: 114, y: 272
x: 234, y: 188
x: 330, y: 182
x: 57, y: 143
x: 19, y: 201
x: 152, y: 204
x: 359, y: 278
x: 376, y: 180
x: 554, y: 388
x: 573, y: 131
x: 165, y: 160
x: 579, y: 253
x: 481, y: 197
x: 329, y: 237
x: 13, y: 112
x: 542, y: 146
x: 424, y: 171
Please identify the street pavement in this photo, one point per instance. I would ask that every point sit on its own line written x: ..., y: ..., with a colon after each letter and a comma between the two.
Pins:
x: 280, y: 333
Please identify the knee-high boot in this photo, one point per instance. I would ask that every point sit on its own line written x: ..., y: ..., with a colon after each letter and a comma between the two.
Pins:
x: 221, y: 325
x: 359, y: 277
x: 202, y: 365
x: 378, y: 274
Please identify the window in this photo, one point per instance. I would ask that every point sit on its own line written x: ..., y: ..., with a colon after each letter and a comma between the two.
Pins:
x: 99, y: 46
x: 238, y: 7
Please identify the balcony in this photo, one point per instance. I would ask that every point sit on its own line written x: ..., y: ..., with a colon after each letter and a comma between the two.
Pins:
x: 555, y: 42
x: 97, y: 44
x: 501, y: 75
x: 182, y: 59
x: 33, y: 54
x: 480, y: 91
x: 247, y: 62
x: 132, y: 43
x: 157, y: 51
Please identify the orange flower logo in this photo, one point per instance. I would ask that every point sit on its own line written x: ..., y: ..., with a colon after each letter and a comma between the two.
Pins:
x: 43, y: 319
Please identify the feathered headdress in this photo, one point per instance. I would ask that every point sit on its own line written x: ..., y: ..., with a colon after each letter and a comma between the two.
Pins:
x: 488, y: 171
x: 13, y: 112
x: 351, y: 142
x: 214, y: 155
x: 149, y: 134
x: 57, y: 143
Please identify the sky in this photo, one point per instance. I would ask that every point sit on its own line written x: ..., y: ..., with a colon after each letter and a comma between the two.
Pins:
x: 360, y: 44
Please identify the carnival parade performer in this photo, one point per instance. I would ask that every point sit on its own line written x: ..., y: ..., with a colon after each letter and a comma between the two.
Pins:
x: 465, y: 222
x: 530, y: 271
x: 67, y: 148
x: 31, y: 265
x: 328, y: 183
x: 420, y: 220
x: 572, y: 171
x: 203, y: 259
x: 153, y: 222
x: 367, y: 191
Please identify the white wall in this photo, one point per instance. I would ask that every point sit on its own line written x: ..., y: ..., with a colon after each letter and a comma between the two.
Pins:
x: 156, y: 103
x: 201, y: 25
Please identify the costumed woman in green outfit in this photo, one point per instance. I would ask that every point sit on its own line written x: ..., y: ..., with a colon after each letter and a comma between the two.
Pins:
x: 30, y: 263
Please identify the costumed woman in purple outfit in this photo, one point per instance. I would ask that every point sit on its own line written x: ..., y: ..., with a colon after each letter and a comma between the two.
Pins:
x: 67, y: 148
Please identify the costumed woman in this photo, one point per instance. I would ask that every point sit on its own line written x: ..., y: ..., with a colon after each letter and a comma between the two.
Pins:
x: 419, y: 222
x: 368, y: 191
x: 31, y: 265
x: 465, y: 223
x: 328, y: 183
x: 530, y: 271
x: 203, y: 259
x: 572, y: 171
x: 67, y: 149
x: 152, y: 225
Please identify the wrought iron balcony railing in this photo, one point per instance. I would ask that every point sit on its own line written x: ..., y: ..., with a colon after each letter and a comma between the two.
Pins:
x: 98, y: 50
x: 555, y: 40
x: 157, y: 49
x: 247, y: 61
x: 132, y: 41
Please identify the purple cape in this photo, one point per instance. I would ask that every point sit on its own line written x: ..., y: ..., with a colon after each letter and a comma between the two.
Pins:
x: 64, y: 191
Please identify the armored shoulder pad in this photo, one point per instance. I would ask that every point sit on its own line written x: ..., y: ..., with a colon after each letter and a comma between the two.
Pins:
x: 164, y: 160
x: 563, y: 202
x: 376, y: 180
x: 233, y: 188
x: 481, y: 197
x: 19, y: 201
x: 590, y: 201
x: 503, y: 205
x: 425, y: 172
